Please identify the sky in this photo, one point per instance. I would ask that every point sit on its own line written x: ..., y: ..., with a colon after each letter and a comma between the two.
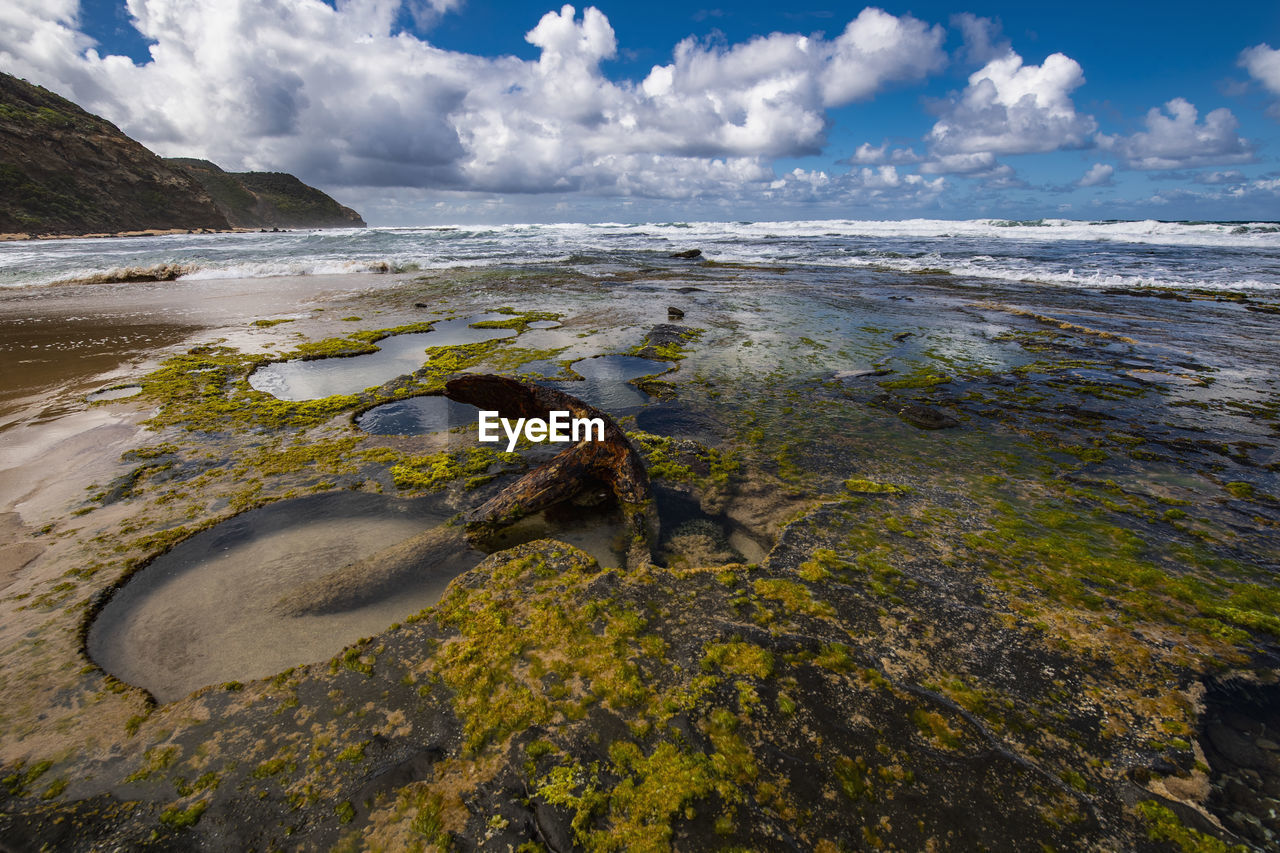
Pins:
x: 493, y: 111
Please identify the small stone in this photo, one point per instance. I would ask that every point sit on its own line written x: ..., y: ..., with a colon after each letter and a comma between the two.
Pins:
x: 687, y: 255
x: 674, y: 313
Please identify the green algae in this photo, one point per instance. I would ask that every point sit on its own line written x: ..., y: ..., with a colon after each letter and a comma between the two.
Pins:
x: 795, y: 598
x: 1073, y: 554
x: 1163, y: 825
x: 920, y: 378
x: 519, y: 320
x: 23, y: 777
x: 484, y: 665
x: 434, y: 471
x: 180, y: 818
x: 671, y: 351
x: 738, y: 658
x: 207, y: 388
x: 155, y: 761
x: 860, y: 486
x: 686, y: 461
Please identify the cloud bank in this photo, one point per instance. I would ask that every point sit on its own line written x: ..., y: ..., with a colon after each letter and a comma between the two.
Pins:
x: 343, y: 98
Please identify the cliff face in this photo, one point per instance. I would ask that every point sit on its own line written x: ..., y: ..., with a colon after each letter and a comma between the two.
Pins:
x: 66, y: 171
x: 266, y: 199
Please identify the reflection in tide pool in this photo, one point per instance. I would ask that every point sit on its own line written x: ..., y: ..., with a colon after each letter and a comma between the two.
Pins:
x: 417, y: 416
x: 606, y: 381
x: 397, y: 355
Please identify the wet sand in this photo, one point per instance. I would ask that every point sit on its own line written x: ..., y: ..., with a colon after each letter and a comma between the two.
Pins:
x: 67, y: 340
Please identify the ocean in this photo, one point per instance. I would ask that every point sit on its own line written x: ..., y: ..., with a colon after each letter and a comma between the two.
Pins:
x: 1067, y: 253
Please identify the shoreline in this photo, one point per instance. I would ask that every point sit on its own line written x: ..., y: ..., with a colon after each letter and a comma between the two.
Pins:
x: 162, y: 232
x: 150, y: 232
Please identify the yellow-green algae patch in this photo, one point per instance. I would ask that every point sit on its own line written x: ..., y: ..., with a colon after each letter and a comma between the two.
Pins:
x: 207, y: 388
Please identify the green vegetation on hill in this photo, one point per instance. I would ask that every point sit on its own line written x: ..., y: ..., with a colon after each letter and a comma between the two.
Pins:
x: 64, y: 170
x: 266, y: 199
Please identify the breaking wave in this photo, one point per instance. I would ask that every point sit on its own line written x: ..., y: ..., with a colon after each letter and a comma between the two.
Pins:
x: 1069, y: 253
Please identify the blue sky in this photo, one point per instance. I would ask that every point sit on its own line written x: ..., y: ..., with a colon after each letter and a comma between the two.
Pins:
x: 480, y: 110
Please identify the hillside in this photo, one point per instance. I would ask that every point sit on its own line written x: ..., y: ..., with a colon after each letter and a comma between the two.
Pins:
x: 65, y: 171
x: 266, y: 199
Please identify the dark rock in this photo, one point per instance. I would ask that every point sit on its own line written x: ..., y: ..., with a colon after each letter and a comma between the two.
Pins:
x: 689, y: 289
x: 902, y: 336
x: 661, y: 336
x: 1234, y: 747
x: 926, y: 417
x: 674, y: 313
x: 553, y: 825
x: 687, y: 255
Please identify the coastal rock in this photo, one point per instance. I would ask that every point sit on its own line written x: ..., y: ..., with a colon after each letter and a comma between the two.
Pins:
x: 687, y: 255
x: 926, y: 417
x: 674, y: 314
x: 661, y: 336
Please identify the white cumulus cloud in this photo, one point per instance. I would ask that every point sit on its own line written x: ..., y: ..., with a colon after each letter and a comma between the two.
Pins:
x: 1012, y: 108
x: 868, y: 155
x: 1007, y: 108
x: 1263, y: 64
x: 1175, y: 138
x: 340, y: 96
x: 1099, y: 175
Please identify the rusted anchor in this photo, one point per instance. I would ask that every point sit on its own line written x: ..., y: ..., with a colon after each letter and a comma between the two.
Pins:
x: 612, y: 462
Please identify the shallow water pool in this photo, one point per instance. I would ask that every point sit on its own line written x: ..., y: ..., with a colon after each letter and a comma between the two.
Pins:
x: 206, y: 612
x: 607, y: 381
x: 397, y: 355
